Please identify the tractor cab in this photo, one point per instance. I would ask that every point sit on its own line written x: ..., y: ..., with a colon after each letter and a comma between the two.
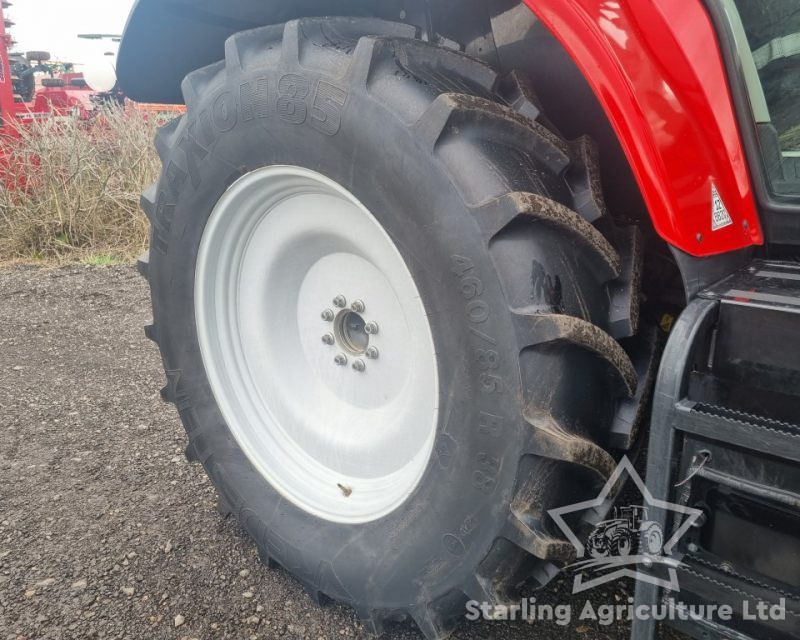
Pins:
x: 761, y: 41
x: 633, y: 515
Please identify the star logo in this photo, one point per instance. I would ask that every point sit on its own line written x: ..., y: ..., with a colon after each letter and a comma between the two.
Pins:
x: 617, y: 545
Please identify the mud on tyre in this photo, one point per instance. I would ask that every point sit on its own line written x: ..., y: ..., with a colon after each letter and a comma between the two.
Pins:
x: 527, y: 288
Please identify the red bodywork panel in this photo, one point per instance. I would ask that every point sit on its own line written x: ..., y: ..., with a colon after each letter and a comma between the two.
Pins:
x: 57, y: 102
x: 6, y: 85
x: 656, y: 67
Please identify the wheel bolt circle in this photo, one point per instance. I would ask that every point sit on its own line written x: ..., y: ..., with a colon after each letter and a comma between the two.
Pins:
x: 328, y: 339
x: 371, y: 328
x: 340, y: 301
x: 372, y: 353
x: 358, y: 365
x: 340, y: 359
x: 327, y: 315
x: 358, y: 306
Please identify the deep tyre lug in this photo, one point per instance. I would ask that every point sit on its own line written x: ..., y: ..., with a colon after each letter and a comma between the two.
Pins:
x: 431, y: 624
x: 151, y: 333
x: 267, y: 560
x: 317, y: 597
x: 147, y: 202
x: 371, y: 621
x: 516, y: 90
x: 191, y: 454
x: 143, y: 264
x: 224, y: 509
x: 520, y: 332
x: 545, y: 572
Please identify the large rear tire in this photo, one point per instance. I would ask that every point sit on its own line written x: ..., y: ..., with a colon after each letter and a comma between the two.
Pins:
x: 491, y: 217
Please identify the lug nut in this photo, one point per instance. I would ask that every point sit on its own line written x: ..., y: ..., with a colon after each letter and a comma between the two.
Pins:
x: 358, y: 306
x: 340, y: 359
x: 358, y: 365
x: 340, y: 301
x: 371, y: 328
x: 328, y: 338
x: 371, y: 353
x: 327, y: 315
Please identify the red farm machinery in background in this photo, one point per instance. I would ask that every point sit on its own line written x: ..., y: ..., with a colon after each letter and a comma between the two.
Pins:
x: 34, y: 87
x: 24, y: 96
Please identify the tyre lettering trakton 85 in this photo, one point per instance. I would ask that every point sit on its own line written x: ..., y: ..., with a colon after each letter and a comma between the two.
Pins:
x: 413, y: 267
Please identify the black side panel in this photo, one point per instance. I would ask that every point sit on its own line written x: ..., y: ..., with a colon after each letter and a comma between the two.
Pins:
x: 166, y: 39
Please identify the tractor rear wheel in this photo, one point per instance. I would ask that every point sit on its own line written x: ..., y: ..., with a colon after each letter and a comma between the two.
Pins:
x: 651, y: 538
x: 386, y: 315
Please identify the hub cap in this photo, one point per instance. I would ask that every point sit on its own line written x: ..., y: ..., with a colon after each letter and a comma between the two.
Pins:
x: 316, y: 344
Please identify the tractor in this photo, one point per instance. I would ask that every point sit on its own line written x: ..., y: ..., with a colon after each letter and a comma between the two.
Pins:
x: 629, y: 530
x: 60, y: 91
x: 22, y: 73
x: 423, y: 271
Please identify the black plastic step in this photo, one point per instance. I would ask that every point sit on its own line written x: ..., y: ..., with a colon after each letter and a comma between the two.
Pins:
x: 764, y: 283
x: 721, y: 584
x: 773, y: 437
x: 752, y: 364
x: 725, y: 439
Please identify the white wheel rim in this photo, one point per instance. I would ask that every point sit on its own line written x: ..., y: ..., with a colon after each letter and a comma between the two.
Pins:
x: 344, y: 444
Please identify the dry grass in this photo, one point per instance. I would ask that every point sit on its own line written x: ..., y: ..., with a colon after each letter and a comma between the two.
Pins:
x: 77, y: 191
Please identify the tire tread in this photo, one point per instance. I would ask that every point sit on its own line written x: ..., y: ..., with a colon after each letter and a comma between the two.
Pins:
x: 465, y: 95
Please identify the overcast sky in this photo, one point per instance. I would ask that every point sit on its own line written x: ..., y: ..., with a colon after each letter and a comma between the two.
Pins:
x: 53, y: 25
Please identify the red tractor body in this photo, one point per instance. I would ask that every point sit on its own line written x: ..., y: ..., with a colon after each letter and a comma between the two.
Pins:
x: 563, y: 179
x: 71, y: 98
x: 657, y: 69
x: 7, y: 109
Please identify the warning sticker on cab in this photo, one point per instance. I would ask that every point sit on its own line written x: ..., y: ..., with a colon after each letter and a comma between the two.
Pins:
x: 720, y: 217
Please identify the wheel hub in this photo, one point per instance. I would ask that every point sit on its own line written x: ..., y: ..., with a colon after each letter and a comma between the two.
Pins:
x: 289, y: 257
x: 350, y: 333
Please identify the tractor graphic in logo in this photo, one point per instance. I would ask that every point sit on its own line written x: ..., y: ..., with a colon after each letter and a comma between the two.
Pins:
x: 619, y: 546
x: 629, y: 531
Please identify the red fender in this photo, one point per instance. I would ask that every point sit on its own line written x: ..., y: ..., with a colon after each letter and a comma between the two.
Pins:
x: 657, y: 70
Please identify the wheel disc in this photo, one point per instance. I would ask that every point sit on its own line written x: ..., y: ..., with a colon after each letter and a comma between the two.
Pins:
x: 316, y: 344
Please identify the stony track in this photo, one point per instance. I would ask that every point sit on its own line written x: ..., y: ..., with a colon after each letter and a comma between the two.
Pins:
x: 105, y: 530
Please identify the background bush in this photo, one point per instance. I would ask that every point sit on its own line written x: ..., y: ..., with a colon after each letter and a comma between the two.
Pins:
x: 70, y: 190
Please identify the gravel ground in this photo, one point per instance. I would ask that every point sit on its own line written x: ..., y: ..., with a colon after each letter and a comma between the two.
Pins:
x: 105, y: 530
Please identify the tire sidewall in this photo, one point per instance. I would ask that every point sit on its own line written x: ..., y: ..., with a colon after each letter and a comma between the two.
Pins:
x: 450, y: 521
